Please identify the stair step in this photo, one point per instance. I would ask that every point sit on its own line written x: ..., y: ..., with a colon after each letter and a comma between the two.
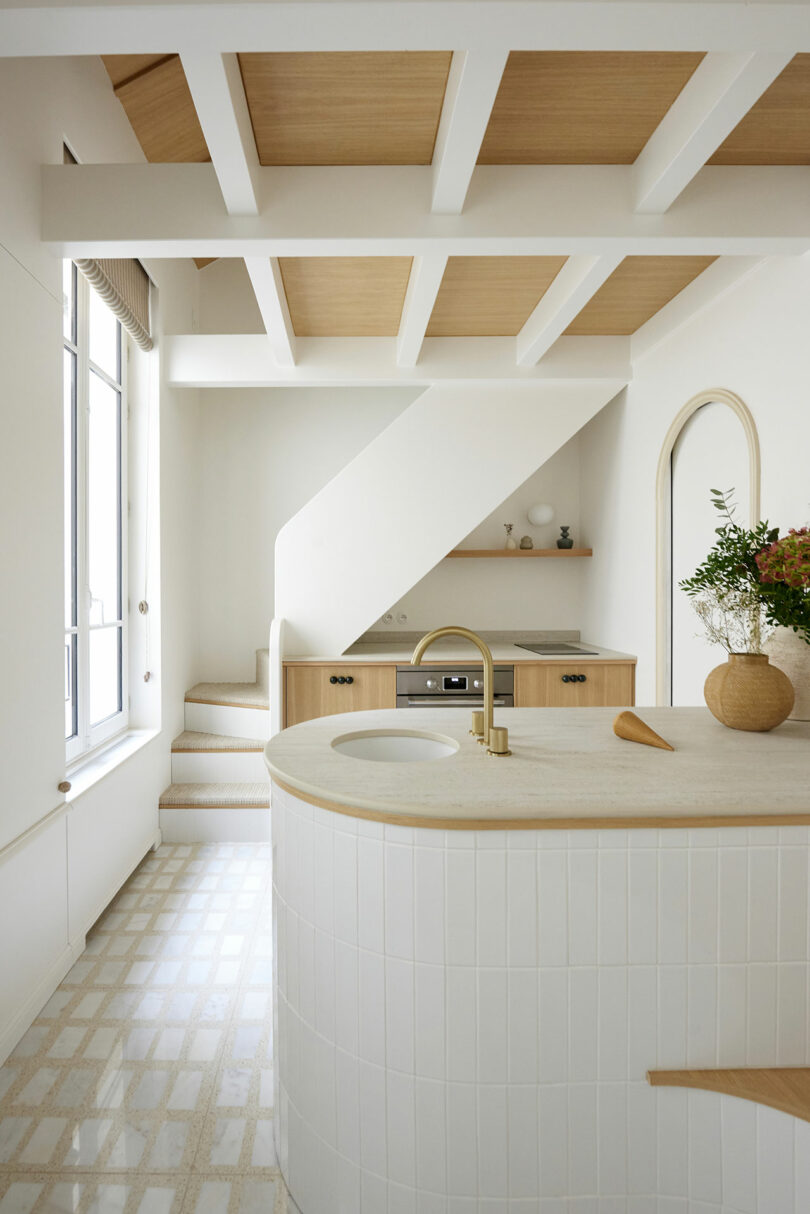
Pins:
x: 216, y: 796
x: 192, y: 741
x: 230, y: 695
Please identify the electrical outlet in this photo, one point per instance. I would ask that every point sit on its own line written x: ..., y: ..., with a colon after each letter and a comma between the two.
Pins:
x: 387, y: 618
x: 402, y: 618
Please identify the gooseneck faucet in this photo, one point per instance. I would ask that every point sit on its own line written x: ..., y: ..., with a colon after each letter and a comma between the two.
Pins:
x: 454, y: 630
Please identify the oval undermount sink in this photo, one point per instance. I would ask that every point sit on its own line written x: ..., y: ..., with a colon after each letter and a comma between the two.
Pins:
x: 395, y: 745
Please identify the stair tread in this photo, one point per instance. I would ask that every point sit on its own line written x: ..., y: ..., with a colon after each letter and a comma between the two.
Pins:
x: 237, y: 695
x: 193, y: 740
x: 252, y: 795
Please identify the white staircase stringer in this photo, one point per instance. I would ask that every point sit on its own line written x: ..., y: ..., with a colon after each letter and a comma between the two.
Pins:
x: 411, y: 496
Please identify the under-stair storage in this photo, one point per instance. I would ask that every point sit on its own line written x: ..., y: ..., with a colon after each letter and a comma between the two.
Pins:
x: 220, y: 790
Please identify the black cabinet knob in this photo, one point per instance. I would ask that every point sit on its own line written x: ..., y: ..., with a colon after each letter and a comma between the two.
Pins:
x: 333, y: 679
x: 349, y: 678
x: 581, y: 678
x: 565, y: 678
x: 341, y: 679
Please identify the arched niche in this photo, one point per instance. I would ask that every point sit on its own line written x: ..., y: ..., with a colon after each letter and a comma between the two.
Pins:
x: 663, y: 514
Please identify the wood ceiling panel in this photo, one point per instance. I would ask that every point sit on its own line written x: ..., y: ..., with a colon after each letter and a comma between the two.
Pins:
x: 345, y: 296
x: 490, y: 296
x: 635, y: 291
x: 158, y: 104
x: 582, y: 107
x: 345, y: 107
x: 776, y: 130
x: 121, y: 68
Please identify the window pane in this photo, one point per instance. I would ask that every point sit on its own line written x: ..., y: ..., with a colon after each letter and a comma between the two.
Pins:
x: 71, y: 719
x: 105, y: 673
x: 69, y: 300
x: 104, y: 339
x: 103, y: 521
x: 69, y: 395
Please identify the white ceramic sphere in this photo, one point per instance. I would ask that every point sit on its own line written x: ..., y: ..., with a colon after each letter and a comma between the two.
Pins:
x: 540, y: 514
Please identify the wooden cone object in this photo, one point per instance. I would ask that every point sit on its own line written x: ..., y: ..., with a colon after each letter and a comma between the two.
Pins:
x: 628, y: 725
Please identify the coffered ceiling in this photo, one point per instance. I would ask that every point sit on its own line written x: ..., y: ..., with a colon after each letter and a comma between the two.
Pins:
x: 548, y: 186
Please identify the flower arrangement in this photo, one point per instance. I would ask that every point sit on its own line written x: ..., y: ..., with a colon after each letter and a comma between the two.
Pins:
x: 784, y: 575
x: 751, y: 582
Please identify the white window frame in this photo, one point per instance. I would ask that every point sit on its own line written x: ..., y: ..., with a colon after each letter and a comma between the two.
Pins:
x: 89, y: 737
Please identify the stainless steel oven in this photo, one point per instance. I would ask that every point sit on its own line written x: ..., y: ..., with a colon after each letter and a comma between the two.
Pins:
x: 452, y: 686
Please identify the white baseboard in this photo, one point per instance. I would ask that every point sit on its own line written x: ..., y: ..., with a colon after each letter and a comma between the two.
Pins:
x: 11, y: 1034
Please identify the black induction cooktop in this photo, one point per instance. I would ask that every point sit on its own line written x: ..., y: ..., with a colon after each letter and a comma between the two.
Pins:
x: 559, y: 649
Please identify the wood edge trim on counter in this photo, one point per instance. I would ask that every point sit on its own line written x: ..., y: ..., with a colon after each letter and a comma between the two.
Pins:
x: 227, y: 704
x: 784, y: 1088
x: 217, y: 750
x: 637, y: 822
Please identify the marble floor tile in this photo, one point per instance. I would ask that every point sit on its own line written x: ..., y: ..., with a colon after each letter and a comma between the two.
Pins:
x: 145, y: 1085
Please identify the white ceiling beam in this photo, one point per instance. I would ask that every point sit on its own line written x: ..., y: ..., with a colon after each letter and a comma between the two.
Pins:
x: 76, y: 27
x: 244, y: 360
x: 717, y: 280
x: 265, y: 275
x: 169, y: 210
x: 219, y: 99
x: 719, y: 93
x: 578, y: 280
x: 468, y: 99
x: 423, y: 287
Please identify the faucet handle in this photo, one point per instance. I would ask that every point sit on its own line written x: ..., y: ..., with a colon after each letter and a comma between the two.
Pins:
x: 477, y: 727
x: 498, y: 741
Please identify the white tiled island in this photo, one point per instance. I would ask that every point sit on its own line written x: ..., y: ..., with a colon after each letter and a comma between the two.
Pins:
x: 468, y: 1003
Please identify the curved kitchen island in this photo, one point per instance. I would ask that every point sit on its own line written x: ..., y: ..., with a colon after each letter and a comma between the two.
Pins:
x: 479, y: 958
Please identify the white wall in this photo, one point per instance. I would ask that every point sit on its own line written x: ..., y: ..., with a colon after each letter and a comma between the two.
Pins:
x: 501, y: 594
x: 59, y: 863
x: 263, y: 454
x: 752, y: 342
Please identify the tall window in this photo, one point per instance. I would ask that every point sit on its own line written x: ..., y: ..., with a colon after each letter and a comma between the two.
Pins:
x: 95, y: 518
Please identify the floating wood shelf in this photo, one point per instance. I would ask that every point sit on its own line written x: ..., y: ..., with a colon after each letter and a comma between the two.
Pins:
x: 520, y: 552
x: 783, y: 1088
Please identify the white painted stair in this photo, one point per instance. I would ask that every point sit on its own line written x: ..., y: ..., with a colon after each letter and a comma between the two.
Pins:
x: 220, y: 791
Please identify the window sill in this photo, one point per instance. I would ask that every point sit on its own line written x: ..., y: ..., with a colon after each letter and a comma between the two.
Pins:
x: 89, y: 770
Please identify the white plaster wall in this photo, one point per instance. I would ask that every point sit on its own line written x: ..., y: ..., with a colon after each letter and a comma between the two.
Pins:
x: 752, y: 342
x: 499, y: 594
x: 66, y: 854
x: 471, y: 1015
x: 263, y: 454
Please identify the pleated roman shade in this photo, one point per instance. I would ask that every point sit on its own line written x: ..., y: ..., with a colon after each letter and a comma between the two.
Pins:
x: 123, y: 284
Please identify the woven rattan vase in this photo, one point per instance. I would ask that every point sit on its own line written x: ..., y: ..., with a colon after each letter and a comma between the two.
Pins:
x: 746, y: 692
x: 790, y: 653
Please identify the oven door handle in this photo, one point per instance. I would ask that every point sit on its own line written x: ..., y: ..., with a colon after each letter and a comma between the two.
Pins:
x: 450, y: 702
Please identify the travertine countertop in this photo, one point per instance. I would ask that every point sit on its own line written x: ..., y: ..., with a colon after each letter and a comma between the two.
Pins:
x: 568, y: 768
x: 460, y: 653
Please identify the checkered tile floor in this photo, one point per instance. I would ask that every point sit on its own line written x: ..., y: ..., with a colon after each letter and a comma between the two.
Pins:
x: 145, y: 1085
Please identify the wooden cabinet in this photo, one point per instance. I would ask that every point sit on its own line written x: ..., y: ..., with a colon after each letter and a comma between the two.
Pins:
x: 310, y: 692
x: 541, y: 685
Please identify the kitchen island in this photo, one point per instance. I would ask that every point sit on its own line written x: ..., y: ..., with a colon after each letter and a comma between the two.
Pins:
x: 479, y: 958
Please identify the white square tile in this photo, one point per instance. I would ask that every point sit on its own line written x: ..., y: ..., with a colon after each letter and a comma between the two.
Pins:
x: 554, y: 1025
x: 431, y: 1159
x: 793, y: 921
x: 673, y: 903
x: 553, y: 1121
x: 226, y: 1143
x: 462, y: 1024
x: 345, y: 886
x: 372, y: 1008
x: 523, y: 1029
x: 430, y: 1021
x: 642, y: 1139
x: 611, y: 1124
x: 672, y: 1016
x: 370, y: 894
x: 612, y: 1021
x: 493, y: 1150
x: 582, y: 1142
x: 583, y: 1022
x: 703, y: 915
x: 42, y: 1143
x: 462, y: 1141
x: 733, y: 904
x: 460, y: 908
x: 373, y: 1141
x: 401, y: 1128
x: 791, y: 1005
x: 552, y: 907
x: 763, y: 902
x: 673, y: 1150
x: 642, y: 924
x: 705, y: 1147
x: 523, y: 1138
x: 761, y: 1009
x: 399, y: 1014
x: 492, y: 1025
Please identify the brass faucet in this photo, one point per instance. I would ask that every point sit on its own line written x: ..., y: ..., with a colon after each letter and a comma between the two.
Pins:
x: 492, y: 736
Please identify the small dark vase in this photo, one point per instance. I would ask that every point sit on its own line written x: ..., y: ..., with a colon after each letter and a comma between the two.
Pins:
x: 565, y: 540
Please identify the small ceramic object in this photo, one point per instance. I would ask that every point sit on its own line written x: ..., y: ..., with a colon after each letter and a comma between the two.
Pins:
x: 565, y: 540
x: 540, y: 515
x: 510, y: 543
x: 791, y: 653
x: 526, y: 541
x: 746, y: 692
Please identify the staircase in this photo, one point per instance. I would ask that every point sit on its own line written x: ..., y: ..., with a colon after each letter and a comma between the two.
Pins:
x: 220, y: 791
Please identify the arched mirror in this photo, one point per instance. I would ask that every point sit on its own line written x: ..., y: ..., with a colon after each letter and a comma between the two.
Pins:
x: 711, y: 445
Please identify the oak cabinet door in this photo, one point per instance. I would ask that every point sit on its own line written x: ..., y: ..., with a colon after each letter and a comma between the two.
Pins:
x: 586, y: 685
x: 310, y: 692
